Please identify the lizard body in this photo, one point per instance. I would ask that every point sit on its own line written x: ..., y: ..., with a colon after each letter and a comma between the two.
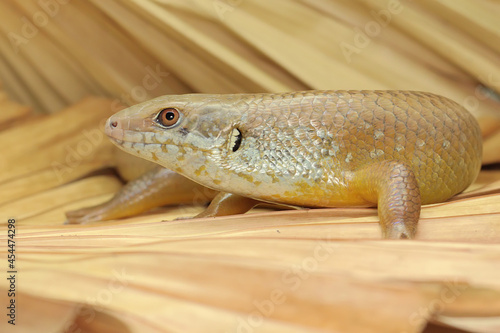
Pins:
x: 391, y: 149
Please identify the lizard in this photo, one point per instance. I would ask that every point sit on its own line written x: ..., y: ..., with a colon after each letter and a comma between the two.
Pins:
x: 391, y: 149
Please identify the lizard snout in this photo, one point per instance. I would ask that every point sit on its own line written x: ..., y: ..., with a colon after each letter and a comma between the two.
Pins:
x: 114, y: 128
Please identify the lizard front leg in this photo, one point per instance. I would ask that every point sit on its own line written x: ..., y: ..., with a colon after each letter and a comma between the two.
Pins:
x: 158, y: 187
x: 393, y: 187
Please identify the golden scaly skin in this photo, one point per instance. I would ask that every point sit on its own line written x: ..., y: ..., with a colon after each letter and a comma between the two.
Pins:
x: 394, y: 149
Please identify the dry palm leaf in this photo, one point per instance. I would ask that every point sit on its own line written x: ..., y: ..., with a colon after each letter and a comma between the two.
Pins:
x: 290, y: 271
x: 279, y: 271
x: 134, y: 50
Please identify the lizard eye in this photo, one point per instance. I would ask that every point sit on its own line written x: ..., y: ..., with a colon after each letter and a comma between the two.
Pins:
x: 168, y: 117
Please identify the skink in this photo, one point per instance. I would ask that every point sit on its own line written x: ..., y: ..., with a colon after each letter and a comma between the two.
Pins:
x: 393, y: 149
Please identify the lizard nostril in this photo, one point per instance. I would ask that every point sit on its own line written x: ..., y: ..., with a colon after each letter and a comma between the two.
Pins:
x: 114, y: 128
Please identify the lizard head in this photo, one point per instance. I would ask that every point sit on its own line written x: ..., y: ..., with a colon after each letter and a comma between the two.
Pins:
x: 184, y: 133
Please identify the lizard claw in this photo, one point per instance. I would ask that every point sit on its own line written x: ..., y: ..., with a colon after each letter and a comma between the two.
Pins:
x: 399, y: 230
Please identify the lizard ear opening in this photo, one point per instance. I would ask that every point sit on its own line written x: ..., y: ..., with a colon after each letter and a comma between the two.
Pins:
x: 235, y: 139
